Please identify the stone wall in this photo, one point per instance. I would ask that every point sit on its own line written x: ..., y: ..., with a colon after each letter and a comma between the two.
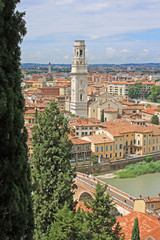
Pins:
x: 114, y: 165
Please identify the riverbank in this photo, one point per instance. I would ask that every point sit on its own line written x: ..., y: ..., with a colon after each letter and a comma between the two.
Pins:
x: 133, y: 170
x: 106, y: 176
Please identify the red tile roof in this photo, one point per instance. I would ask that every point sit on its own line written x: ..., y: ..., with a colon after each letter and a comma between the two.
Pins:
x: 148, y: 225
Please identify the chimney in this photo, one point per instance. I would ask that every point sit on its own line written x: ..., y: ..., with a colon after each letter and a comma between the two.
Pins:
x: 140, y: 196
x: 158, y: 194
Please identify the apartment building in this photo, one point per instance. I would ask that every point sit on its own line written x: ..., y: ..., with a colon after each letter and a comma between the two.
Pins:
x: 118, y: 139
x: 122, y: 88
x: 81, y: 152
x: 149, y: 205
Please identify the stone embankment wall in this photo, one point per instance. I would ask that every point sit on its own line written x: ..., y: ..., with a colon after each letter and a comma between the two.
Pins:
x: 114, y: 165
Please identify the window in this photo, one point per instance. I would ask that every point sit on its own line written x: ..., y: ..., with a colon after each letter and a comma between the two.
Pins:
x: 97, y: 149
x: 156, y: 140
x: 153, y: 148
x: 126, y: 135
x: 138, y: 142
x: 106, y: 156
x: 131, y: 143
x: 134, y: 141
x: 77, y: 133
x: 153, y: 141
x: 116, y: 146
x: 156, y: 148
x: 149, y: 141
x: 144, y: 142
x: 96, y: 127
x: 121, y: 146
x: 90, y: 133
x: 111, y: 147
x: 111, y: 155
x: 149, y: 149
x: 86, y: 128
x: 90, y: 128
x: 81, y: 97
x: 144, y: 135
x: 80, y: 53
x: 106, y: 148
x: 120, y: 154
x: 101, y: 149
x: 120, y: 139
x: 144, y: 149
x: 115, y: 154
x: 79, y: 148
x: 116, y: 139
x: 152, y: 206
x: 87, y: 147
x: 77, y: 128
x: 126, y: 143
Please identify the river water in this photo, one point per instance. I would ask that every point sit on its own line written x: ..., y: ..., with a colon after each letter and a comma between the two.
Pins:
x: 145, y: 185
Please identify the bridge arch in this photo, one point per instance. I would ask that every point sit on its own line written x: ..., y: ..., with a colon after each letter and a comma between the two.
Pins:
x: 85, y: 196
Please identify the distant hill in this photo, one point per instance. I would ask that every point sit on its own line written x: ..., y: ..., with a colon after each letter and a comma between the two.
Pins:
x: 105, y: 65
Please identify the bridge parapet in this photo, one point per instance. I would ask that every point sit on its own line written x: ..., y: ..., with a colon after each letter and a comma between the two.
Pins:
x: 87, y: 183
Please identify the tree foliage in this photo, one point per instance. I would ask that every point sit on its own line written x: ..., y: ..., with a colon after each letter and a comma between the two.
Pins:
x: 68, y: 225
x: 135, y: 231
x: 155, y: 120
x: 135, y: 92
x: 102, y: 115
x: 101, y: 223
x: 16, y: 218
x: 154, y: 94
x: 52, y: 174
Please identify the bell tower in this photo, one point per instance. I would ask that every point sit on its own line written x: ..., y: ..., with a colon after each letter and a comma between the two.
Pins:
x: 79, y: 80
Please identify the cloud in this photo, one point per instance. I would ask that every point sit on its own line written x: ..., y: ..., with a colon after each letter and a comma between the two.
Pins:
x: 36, y: 55
x: 112, y: 29
x: 66, y: 56
x: 110, y: 52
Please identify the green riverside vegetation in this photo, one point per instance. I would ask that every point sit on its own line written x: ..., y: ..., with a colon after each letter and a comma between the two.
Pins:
x: 137, y: 169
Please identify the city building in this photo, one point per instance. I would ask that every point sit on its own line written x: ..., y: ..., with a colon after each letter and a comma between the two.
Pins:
x: 79, y: 80
x: 81, y: 152
x: 149, y: 205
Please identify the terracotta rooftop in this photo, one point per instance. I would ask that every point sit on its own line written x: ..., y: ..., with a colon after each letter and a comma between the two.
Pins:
x: 110, y: 110
x: 77, y: 141
x: 150, y: 110
x: 119, y: 128
x: 148, y: 225
x: 99, y: 138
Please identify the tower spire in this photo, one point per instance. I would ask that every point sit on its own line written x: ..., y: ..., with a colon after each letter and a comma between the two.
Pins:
x: 79, y: 80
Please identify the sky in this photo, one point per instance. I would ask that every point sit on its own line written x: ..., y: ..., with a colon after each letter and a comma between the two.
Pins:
x: 115, y: 31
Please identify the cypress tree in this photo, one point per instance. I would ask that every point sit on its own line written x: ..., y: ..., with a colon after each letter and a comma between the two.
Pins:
x: 101, y: 224
x: 68, y: 225
x: 36, y: 115
x: 102, y: 115
x: 135, y: 231
x: 16, y: 218
x: 52, y: 173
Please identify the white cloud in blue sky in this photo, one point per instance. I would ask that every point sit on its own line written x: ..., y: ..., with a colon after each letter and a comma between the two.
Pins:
x: 116, y: 31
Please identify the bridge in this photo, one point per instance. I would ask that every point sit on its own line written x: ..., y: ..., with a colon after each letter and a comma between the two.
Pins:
x: 86, y: 187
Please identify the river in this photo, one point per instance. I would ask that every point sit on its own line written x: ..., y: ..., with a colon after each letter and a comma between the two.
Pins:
x: 145, y: 185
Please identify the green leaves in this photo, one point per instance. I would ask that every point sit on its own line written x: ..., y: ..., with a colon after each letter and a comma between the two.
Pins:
x: 16, y: 215
x: 52, y: 175
x: 101, y: 224
x: 135, y: 231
